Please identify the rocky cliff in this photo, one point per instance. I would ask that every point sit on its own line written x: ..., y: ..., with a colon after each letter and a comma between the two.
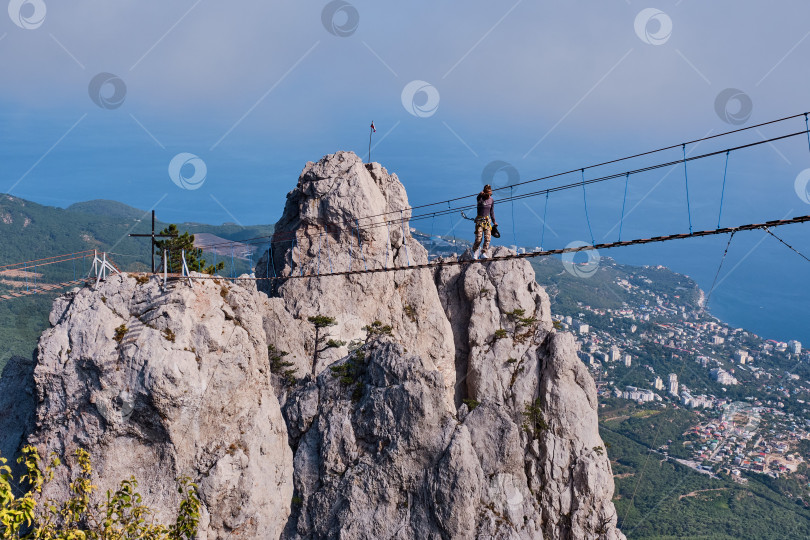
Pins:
x: 161, y: 384
x: 469, y: 417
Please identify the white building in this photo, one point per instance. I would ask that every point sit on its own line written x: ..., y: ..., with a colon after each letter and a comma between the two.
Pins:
x: 615, y: 354
x: 718, y: 340
x: 688, y: 400
x: 722, y: 376
x: 741, y: 356
x: 673, y: 384
x: 641, y: 396
x: 583, y: 328
x: 628, y: 360
x: 795, y: 347
x: 658, y: 384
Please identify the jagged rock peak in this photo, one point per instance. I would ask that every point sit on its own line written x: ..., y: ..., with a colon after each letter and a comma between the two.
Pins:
x: 336, y: 220
x: 340, y: 189
x: 342, y: 215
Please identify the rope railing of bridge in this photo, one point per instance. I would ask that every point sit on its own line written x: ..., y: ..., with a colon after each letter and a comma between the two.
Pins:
x: 438, y: 263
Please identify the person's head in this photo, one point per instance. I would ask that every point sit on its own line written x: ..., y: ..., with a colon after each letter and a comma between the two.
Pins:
x: 487, y: 192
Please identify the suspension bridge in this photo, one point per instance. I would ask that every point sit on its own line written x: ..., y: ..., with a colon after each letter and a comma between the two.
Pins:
x: 22, y: 277
x: 25, y: 273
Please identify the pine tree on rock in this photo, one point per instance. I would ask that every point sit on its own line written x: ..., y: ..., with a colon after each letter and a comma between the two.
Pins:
x: 178, y: 244
x: 321, y: 322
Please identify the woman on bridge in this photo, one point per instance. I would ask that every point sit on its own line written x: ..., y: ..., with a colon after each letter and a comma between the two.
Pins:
x: 484, y: 221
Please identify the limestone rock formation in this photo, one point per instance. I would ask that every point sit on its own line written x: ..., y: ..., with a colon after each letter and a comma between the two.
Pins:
x: 377, y: 454
x: 509, y: 356
x: 573, y: 471
x: 336, y: 220
x: 472, y: 418
x: 499, y: 315
x: 163, y: 384
x: 370, y: 462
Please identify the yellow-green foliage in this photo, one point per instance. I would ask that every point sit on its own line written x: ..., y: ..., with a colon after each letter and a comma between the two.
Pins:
x: 120, y: 516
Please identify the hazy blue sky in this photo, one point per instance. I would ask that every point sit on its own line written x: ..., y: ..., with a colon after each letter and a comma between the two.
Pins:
x: 255, y: 89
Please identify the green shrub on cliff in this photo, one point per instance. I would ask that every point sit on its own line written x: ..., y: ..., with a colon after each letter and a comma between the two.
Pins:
x: 121, y: 514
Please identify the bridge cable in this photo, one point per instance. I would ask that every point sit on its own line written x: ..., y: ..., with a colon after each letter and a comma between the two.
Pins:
x: 407, y: 253
x: 360, y: 245
x: 608, y: 245
x: 388, y: 242
x: 723, y: 191
x: 807, y: 125
x: 585, y: 200
x: 452, y: 228
x: 799, y: 253
x: 43, y: 289
x: 719, y: 267
x: 624, y: 202
x: 658, y: 150
x: 686, y: 181
x: 543, y: 234
x: 514, y: 235
x: 432, y: 224
x: 42, y: 262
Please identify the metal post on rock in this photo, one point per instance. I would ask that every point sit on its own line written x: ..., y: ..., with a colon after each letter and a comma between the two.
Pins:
x: 153, y: 236
x: 372, y: 130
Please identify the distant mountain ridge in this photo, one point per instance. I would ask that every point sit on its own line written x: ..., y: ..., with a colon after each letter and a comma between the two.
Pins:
x: 103, y: 207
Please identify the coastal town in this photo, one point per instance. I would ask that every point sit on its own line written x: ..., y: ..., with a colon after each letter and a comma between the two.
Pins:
x: 662, y: 350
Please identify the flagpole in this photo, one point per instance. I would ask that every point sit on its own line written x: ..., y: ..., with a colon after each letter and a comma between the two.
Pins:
x: 370, y: 131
